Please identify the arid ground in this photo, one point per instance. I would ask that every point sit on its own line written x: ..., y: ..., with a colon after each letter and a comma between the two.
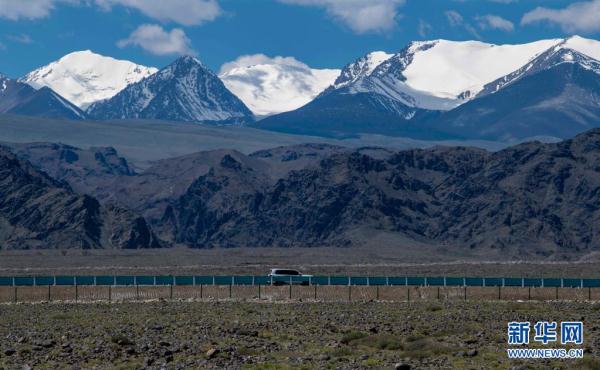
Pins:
x: 258, y: 261
x: 258, y: 335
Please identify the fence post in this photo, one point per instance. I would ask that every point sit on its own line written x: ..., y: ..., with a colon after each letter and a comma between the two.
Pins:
x: 465, y: 292
x: 499, y: 292
x: 171, y: 290
x: 290, y: 295
x: 315, y: 292
x: 408, y: 294
x: 349, y: 293
x: 229, y: 291
x: 109, y: 293
x: 438, y: 293
x: 49, y: 294
x: 377, y: 292
x: 137, y: 291
x: 258, y: 291
x: 15, y: 293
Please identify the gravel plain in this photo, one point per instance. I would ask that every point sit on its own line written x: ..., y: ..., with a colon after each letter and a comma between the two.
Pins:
x: 283, y: 335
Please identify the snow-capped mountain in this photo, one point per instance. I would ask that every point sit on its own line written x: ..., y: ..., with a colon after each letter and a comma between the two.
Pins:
x: 557, y: 94
x: 577, y: 50
x: 442, y: 74
x: 22, y: 99
x: 84, y: 77
x: 361, y: 68
x: 275, y: 85
x: 185, y: 90
x: 426, y: 79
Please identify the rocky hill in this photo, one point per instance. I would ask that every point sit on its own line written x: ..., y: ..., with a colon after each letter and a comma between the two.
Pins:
x: 37, y: 211
x: 532, y: 200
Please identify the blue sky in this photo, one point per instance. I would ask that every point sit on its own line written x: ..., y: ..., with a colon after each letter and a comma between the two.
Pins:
x: 320, y: 33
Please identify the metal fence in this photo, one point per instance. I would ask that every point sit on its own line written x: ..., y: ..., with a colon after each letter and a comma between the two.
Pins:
x: 161, y: 280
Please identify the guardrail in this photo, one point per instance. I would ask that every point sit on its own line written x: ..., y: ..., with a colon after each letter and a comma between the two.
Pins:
x: 161, y: 280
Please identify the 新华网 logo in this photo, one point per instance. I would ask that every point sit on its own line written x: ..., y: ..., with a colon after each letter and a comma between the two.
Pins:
x: 545, y: 332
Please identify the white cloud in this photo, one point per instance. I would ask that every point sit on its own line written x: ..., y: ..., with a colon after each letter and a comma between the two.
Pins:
x: 456, y: 20
x: 496, y: 22
x: 154, y: 39
x: 424, y: 28
x: 360, y: 15
x: 29, y: 9
x: 578, y: 17
x: 185, y: 12
x: 255, y: 59
x: 21, y: 38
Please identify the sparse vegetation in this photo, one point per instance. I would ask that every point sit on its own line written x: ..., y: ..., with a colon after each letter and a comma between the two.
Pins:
x: 259, y: 335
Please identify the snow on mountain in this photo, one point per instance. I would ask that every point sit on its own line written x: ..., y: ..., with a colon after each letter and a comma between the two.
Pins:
x: 454, y: 69
x: 442, y: 74
x: 84, y: 77
x: 273, y: 85
x: 185, y: 90
x: 362, y: 67
x: 559, y: 54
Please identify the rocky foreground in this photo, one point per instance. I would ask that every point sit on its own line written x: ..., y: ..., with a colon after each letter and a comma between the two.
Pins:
x: 178, y: 335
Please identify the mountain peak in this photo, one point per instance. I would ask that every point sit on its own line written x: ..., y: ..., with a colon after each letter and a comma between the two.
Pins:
x: 185, y: 90
x: 84, y: 77
x: 274, y: 85
x: 564, y: 52
x: 79, y: 52
x: 360, y: 68
x: 188, y: 59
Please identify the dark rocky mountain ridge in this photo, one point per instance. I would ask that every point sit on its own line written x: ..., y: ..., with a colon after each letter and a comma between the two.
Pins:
x: 37, y: 211
x: 532, y: 200
x: 21, y: 99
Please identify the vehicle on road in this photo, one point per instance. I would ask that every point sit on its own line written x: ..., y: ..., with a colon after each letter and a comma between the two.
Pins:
x: 288, y: 277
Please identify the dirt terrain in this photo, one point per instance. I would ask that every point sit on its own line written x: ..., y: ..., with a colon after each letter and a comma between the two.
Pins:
x: 258, y: 261
x: 253, y: 335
